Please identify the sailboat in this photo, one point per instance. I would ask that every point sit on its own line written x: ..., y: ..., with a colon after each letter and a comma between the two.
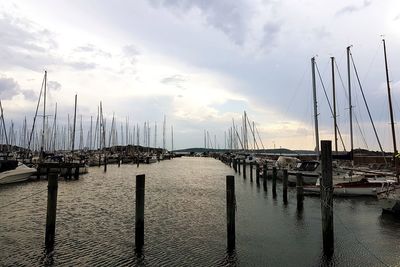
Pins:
x: 389, y: 199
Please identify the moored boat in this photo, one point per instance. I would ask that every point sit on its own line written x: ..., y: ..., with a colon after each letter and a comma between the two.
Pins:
x: 363, y: 187
x: 19, y: 174
x: 389, y: 199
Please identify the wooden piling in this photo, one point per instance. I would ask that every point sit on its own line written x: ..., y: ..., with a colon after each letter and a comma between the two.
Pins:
x: 244, y: 169
x: 52, y: 189
x: 299, y: 188
x: 285, y: 186
x: 327, y: 197
x: 235, y: 164
x: 230, y: 210
x: 105, y: 163
x: 239, y: 165
x: 251, y: 171
x: 69, y: 173
x: 274, y: 176
x: 265, y: 187
x: 139, y: 223
x: 257, y: 174
x: 265, y: 169
x: 76, y: 174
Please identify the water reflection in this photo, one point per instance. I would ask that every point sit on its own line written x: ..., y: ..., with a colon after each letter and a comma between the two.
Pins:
x: 185, y: 222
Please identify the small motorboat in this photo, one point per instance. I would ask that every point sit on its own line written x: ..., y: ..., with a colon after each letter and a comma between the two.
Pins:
x: 19, y: 174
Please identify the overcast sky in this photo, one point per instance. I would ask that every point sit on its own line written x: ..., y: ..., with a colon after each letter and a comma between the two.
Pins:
x: 202, y: 63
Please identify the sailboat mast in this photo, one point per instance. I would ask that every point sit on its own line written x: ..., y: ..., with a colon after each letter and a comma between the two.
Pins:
x: 334, y: 102
x: 44, y: 113
x: 390, y: 109
x: 350, y: 106
x: 314, y: 86
x: 73, y: 129
x: 172, y: 138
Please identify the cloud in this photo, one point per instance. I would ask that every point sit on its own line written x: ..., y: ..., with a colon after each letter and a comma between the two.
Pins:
x: 397, y: 17
x: 353, y: 8
x: 24, y: 44
x: 224, y: 15
x: 80, y: 65
x: 53, y: 85
x: 29, y: 94
x: 270, y: 33
x: 8, y: 88
x: 92, y: 50
x: 176, y: 80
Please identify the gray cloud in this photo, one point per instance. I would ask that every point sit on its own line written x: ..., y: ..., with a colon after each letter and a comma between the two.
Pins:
x: 174, y: 79
x: 353, y: 8
x: 30, y: 94
x: 8, y: 88
x: 53, y: 85
x: 270, y: 34
x: 23, y: 44
x: 224, y: 15
x: 93, y: 50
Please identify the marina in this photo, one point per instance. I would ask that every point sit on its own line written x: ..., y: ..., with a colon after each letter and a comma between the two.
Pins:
x: 199, y: 133
x: 185, y: 221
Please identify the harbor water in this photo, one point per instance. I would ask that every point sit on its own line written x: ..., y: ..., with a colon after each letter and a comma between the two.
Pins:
x: 185, y: 222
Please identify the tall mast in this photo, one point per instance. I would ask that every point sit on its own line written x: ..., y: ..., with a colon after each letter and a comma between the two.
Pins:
x: 55, y: 129
x: 4, y: 124
x: 172, y: 138
x: 314, y: 86
x: 350, y: 106
x: 334, y: 102
x: 44, y: 114
x: 74, y: 125
x: 390, y: 109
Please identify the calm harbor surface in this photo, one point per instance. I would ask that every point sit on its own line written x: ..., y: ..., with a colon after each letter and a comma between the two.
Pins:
x: 185, y: 222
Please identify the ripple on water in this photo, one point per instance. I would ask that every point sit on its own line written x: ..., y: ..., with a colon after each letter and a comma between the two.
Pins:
x: 185, y: 222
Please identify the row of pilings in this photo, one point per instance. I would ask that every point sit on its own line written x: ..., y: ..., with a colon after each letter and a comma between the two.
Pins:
x: 236, y: 164
x: 326, y: 191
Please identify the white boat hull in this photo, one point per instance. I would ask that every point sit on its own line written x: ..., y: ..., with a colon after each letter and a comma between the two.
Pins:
x: 19, y: 174
x: 338, y: 191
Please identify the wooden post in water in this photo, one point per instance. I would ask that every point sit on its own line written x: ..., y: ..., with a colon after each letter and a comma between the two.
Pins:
x: 327, y: 197
x: 52, y: 189
x: 265, y: 169
x: 105, y: 163
x: 299, y: 187
x: 265, y: 177
x: 235, y: 164
x: 239, y: 165
x: 69, y: 172
x: 139, y: 223
x: 244, y: 169
x: 251, y: 171
x: 230, y: 210
x: 257, y: 174
x: 76, y: 174
x: 119, y: 162
x: 285, y: 186
x: 274, y: 176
